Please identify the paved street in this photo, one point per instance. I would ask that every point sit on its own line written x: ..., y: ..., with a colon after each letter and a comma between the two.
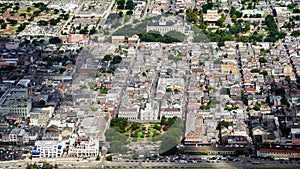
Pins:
x: 97, y: 164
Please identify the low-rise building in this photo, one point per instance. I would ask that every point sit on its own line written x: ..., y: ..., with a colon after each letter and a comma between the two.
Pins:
x: 117, y: 39
x: 211, y: 17
x: 170, y: 112
x: 48, y: 149
x: 278, y: 153
x: 167, y: 24
x: 84, y: 147
x: 129, y: 113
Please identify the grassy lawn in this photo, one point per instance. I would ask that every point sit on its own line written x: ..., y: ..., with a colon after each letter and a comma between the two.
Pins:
x: 24, y: 9
x: 127, y: 18
x: 13, y: 28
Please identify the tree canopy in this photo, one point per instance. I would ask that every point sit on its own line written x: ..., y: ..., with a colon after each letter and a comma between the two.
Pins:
x: 129, y: 5
x: 171, y: 137
x: 295, y: 33
x: 54, y: 40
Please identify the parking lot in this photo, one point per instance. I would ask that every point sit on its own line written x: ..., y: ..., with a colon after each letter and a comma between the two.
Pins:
x: 206, y: 160
x: 12, y: 153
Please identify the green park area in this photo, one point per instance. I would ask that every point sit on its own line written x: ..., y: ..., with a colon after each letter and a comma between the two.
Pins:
x: 26, y: 9
x: 141, y: 132
x: 122, y: 132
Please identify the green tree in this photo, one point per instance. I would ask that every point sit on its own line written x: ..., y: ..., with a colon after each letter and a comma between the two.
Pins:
x: 288, y: 78
x: 120, y: 4
x: 263, y: 60
x: 270, y: 22
x: 264, y: 72
x: 45, y: 166
x: 130, y: 12
x: 134, y: 126
x: 291, y: 6
x: 120, y: 14
x: 157, y: 127
x: 42, y: 102
x: 21, y: 27
x: 12, y: 21
x: 169, y: 71
x: 223, y: 123
x: 106, y: 58
x: 256, y: 107
x: 28, y: 9
x: 119, y: 124
x: 116, y: 59
x: 62, y: 70
x: 117, y: 146
x: 168, y: 90
x: 129, y: 5
x: 195, y: 17
x: 220, y: 22
x: 98, y: 158
x: 174, y: 36
x: 54, y: 40
x: 84, y: 31
x: 171, y: 138
x: 16, y: 8
x: 109, y: 158
x: 93, y: 31
x: 234, y: 18
x: 247, y: 26
x: 295, y: 33
x: 3, y: 26
x: 43, y: 23
x: 255, y: 70
x: 296, y: 11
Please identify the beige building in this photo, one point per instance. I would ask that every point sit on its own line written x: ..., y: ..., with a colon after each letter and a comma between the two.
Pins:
x: 171, y: 112
x: 117, y: 39
x: 167, y: 24
x: 211, y: 17
x: 134, y: 39
x: 129, y: 113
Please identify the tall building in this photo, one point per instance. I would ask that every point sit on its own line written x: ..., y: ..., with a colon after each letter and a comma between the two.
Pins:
x: 16, y: 101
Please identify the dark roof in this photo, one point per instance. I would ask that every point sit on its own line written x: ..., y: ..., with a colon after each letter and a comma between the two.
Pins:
x: 280, y: 150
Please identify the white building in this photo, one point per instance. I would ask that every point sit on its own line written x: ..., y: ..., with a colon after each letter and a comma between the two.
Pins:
x: 48, y: 149
x: 83, y: 147
x: 129, y: 113
x: 173, y: 83
x: 150, y: 112
x: 170, y: 112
